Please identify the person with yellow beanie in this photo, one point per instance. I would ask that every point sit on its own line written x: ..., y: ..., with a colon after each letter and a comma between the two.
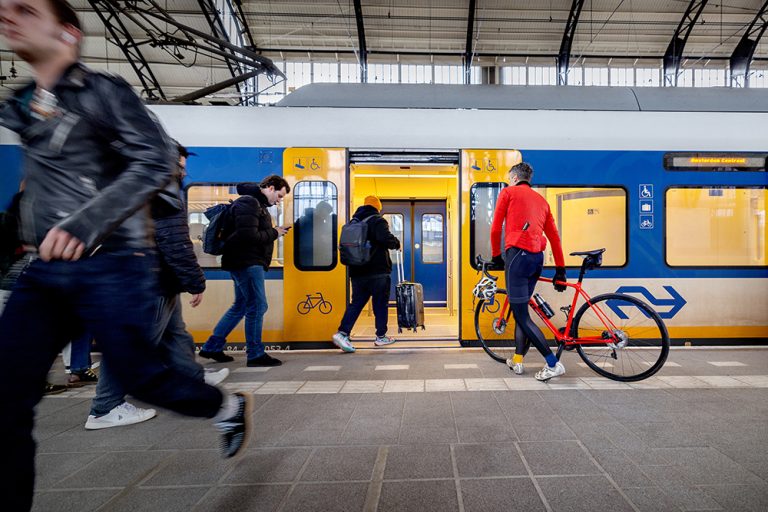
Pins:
x: 371, y: 280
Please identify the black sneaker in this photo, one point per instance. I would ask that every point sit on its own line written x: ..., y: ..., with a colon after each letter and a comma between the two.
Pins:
x: 235, y: 431
x: 219, y: 357
x: 264, y: 360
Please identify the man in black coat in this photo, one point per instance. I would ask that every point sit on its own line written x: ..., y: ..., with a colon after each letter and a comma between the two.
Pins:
x: 179, y: 272
x: 247, y: 255
x: 371, y: 280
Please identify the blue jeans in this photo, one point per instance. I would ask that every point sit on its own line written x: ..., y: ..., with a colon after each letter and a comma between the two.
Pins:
x: 177, y: 349
x: 375, y: 288
x: 251, y: 303
x: 80, y: 358
x: 111, y: 295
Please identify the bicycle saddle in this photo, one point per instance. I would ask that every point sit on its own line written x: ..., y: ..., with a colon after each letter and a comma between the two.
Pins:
x: 588, y: 253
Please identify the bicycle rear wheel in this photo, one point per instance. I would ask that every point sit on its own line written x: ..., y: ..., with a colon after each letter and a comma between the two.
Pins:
x: 636, y: 344
x: 493, y: 331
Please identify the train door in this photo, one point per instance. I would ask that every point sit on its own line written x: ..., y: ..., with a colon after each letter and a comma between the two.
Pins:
x: 421, y: 228
x: 483, y: 176
x: 314, y: 297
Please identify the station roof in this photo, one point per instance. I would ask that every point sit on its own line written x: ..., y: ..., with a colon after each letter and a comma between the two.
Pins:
x: 507, y: 97
x: 503, y: 31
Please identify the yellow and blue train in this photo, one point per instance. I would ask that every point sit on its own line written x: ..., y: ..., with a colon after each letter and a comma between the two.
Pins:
x: 672, y: 182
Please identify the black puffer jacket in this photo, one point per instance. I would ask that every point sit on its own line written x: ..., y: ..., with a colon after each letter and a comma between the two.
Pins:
x: 381, y: 239
x: 92, y: 167
x: 253, y: 238
x: 179, y: 271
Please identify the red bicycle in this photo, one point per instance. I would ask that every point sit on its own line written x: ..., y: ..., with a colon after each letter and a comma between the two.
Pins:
x: 618, y: 336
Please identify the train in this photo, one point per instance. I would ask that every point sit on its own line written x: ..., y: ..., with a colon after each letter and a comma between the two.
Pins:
x: 671, y: 182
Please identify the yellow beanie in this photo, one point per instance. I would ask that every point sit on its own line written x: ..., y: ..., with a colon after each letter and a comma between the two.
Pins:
x: 373, y: 201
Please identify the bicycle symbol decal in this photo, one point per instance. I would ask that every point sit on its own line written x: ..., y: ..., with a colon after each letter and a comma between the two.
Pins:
x: 676, y: 301
x: 312, y: 302
x: 646, y: 222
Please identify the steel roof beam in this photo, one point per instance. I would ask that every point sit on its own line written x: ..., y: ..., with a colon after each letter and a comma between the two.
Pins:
x: 122, y: 38
x: 674, y: 54
x: 564, y: 55
x: 363, y: 56
x: 468, y: 52
x: 213, y: 17
x: 742, y: 56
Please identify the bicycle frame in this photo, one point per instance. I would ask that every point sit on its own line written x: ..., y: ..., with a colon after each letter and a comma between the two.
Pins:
x: 564, y: 339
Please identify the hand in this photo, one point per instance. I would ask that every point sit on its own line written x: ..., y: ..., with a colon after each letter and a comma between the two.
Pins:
x: 559, y: 276
x: 282, y: 230
x: 497, y: 263
x: 60, y: 245
x: 197, y: 298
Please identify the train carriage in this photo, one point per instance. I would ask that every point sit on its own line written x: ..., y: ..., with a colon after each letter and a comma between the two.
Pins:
x: 671, y: 183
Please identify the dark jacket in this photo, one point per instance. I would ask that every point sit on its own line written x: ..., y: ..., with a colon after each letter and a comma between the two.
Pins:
x: 381, y: 239
x: 179, y: 270
x: 91, y: 168
x: 253, y: 237
x: 10, y: 243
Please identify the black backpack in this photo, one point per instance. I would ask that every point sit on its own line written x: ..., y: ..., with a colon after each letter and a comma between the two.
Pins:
x: 354, y: 247
x: 219, y: 228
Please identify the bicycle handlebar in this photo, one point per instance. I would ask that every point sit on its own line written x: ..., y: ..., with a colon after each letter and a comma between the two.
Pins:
x: 484, y: 264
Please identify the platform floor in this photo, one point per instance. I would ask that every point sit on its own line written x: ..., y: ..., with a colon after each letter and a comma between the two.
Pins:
x: 432, y: 430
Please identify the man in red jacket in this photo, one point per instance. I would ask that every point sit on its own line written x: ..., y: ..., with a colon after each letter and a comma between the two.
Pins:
x: 525, y: 216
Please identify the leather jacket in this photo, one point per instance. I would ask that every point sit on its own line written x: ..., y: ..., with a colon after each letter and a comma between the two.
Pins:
x: 91, y: 167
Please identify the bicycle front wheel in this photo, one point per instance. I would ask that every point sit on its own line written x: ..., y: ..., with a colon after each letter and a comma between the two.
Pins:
x: 492, y: 327
x: 636, y: 340
x: 303, y: 307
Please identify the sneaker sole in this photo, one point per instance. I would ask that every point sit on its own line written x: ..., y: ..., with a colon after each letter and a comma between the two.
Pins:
x: 99, y: 426
x: 248, y: 426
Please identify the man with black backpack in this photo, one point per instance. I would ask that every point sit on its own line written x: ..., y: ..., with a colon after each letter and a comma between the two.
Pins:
x: 246, y: 254
x: 370, y: 269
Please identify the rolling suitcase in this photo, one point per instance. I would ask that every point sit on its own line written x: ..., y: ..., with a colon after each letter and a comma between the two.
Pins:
x: 410, y: 300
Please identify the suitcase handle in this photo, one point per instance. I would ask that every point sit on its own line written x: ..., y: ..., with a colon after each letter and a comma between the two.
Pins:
x: 399, y: 262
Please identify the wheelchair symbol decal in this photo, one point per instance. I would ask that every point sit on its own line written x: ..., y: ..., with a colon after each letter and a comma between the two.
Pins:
x: 312, y: 302
x: 646, y: 191
x: 314, y: 165
x: 490, y: 165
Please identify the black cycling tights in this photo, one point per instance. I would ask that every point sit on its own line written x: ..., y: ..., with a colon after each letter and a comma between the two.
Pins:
x: 526, y: 331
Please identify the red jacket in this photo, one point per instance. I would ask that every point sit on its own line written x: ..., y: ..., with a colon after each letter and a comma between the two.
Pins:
x: 516, y: 206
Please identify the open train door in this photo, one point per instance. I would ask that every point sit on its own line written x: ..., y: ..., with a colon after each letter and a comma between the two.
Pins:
x: 314, y: 292
x: 483, y: 176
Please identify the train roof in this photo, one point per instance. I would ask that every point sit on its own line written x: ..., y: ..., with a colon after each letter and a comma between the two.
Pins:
x: 515, y: 97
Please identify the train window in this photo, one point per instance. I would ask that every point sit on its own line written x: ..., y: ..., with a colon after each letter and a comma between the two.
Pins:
x: 716, y: 226
x: 200, y: 198
x: 315, y: 213
x: 588, y: 218
x: 395, y: 221
x: 482, y: 200
x: 432, y: 238
x: 716, y: 162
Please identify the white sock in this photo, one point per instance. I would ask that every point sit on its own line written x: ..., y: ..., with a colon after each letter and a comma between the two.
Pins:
x: 228, y: 408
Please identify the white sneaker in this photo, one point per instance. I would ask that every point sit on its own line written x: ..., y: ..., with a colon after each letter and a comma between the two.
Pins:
x: 518, y: 368
x: 214, y: 378
x: 122, y: 415
x: 342, y: 341
x: 380, y: 341
x: 547, y: 372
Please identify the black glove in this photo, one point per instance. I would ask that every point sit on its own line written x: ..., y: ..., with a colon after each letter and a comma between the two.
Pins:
x: 559, y: 276
x: 497, y: 263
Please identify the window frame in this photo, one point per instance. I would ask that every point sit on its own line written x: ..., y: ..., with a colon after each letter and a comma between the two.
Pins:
x: 334, y: 230
x: 627, y: 233
x: 665, y: 245
x: 442, y: 244
x: 472, y: 245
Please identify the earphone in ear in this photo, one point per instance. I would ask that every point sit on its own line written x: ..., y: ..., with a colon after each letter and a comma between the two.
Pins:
x: 67, y: 37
